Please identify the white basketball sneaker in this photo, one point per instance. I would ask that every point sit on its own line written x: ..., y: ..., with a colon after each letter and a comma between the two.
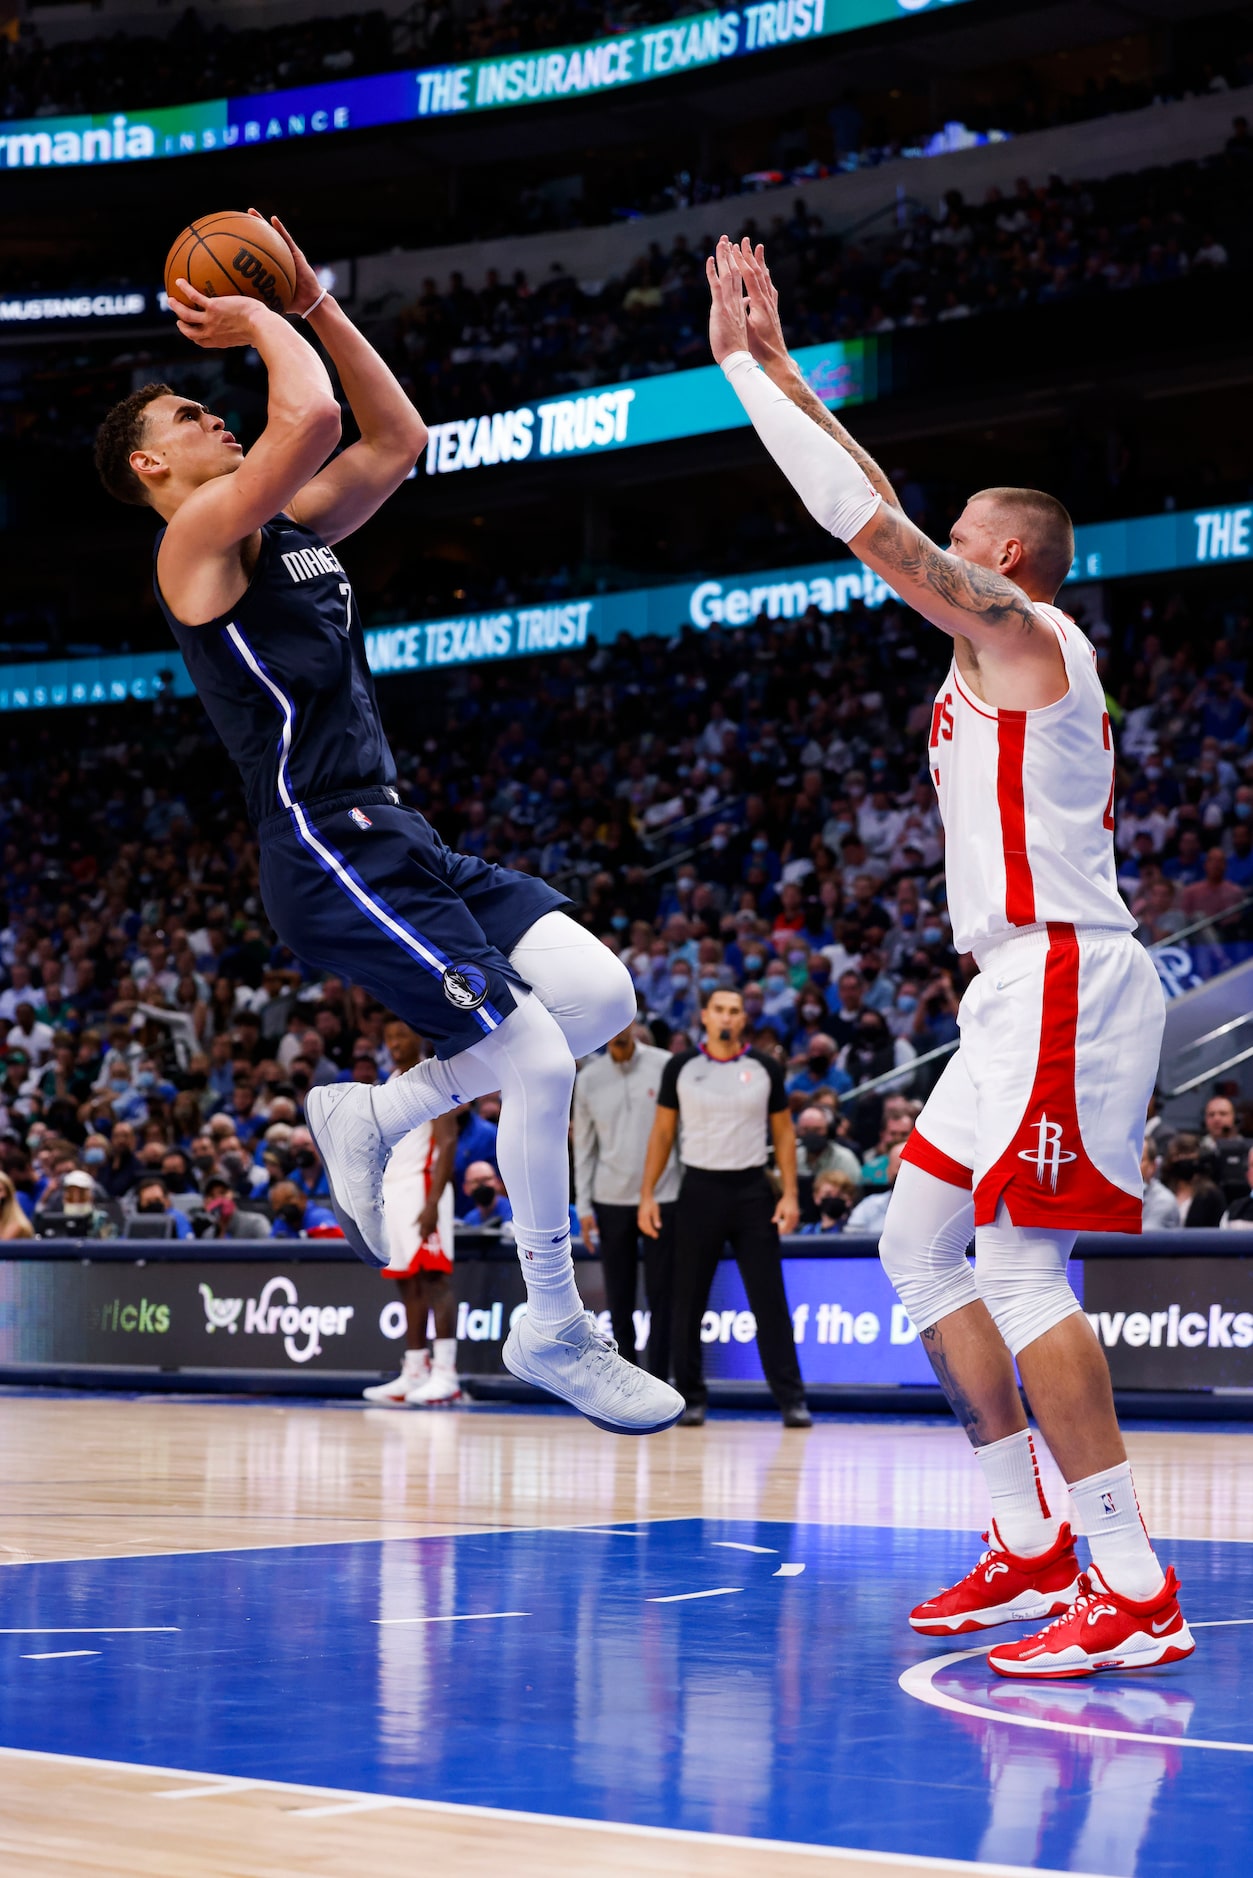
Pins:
x: 438, y: 1390
x: 340, y: 1116
x: 582, y: 1366
x: 393, y: 1394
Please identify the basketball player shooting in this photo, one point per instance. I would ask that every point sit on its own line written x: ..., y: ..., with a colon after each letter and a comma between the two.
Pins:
x: 482, y: 961
x: 1035, y: 1128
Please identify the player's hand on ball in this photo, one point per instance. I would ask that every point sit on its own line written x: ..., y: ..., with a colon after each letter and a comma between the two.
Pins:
x: 728, y: 309
x: 229, y: 319
x: 308, y: 286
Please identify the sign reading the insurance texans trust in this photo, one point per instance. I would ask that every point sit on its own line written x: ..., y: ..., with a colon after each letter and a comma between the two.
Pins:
x: 635, y: 58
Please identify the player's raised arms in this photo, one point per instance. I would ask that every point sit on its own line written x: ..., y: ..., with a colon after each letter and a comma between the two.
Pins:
x: 846, y: 493
x: 393, y: 436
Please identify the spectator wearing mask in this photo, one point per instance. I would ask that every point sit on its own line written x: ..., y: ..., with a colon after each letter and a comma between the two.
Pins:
x: 875, y: 1052
x: 1239, y: 1214
x: 1186, y: 1174
x: 488, y: 1209
x: 1160, y: 1211
x: 225, y: 1218
x: 152, y: 1201
x: 176, y: 1169
x: 895, y: 1132
x: 835, y: 1197
x: 1226, y: 1148
x: 294, y: 1216
x: 83, y: 1217
x: 850, y: 997
x: 819, y: 1070
x: 818, y: 1153
x: 307, y: 1171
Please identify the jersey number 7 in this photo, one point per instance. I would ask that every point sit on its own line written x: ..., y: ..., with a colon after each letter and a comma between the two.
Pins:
x: 346, y: 590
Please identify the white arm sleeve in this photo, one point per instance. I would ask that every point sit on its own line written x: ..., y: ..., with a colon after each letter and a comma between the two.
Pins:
x: 836, y: 492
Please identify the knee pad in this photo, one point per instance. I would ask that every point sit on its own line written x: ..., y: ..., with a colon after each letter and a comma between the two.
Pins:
x: 587, y: 988
x: 1021, y: 1275
x: 923, y: 1244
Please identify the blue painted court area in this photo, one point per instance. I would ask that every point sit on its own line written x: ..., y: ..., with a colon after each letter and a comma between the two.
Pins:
x: 682, y: 1673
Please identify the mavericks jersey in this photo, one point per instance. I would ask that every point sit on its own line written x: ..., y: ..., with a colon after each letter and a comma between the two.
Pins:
x: 1027, y: 800
x: 284, y: 676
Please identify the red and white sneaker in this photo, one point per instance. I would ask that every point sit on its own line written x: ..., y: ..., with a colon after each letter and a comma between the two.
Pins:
x: 1004, y: 1589
x: 1102, y: 1630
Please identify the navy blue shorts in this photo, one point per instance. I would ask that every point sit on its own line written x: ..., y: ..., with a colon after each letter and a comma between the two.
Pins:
x: 360, y: 887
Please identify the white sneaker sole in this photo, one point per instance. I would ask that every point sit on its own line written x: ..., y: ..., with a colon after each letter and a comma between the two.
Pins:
x: 516, y: 1366
x: 384, y: 1401
x: 417, y: 1401
x: 315, y: 1120
x: 1026, y: 1608
x: 1141, y: 1650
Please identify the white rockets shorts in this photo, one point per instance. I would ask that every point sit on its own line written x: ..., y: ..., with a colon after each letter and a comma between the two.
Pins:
x: 1044, y: 1103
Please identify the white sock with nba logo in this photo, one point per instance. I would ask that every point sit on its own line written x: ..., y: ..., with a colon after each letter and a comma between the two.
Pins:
x: 1109, y: 1514
x: 1019, y: 1507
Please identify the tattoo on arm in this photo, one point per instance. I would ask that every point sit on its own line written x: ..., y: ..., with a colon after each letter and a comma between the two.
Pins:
x: 992, y: 599
x: 961, y: 1405
x: 811, y: 404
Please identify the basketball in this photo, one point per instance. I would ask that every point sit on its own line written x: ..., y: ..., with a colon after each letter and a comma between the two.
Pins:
x: 233, y: 252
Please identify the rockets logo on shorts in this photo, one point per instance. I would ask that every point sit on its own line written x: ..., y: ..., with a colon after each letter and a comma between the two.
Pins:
x: 1048, y: 1153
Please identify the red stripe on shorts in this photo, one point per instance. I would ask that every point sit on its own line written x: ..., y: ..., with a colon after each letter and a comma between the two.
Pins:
x: 932, y: 1160
x: 1011, y: 738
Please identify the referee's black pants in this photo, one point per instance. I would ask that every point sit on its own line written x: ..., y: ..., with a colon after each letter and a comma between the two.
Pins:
x: 736, y: 1209
x: 620, y: 1242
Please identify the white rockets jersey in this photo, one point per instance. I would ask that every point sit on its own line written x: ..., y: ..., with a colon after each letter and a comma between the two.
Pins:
x: 1027, y: 801
x: 406, y: 1183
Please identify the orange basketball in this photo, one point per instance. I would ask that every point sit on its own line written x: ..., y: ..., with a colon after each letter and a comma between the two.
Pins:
x: 233, y: 253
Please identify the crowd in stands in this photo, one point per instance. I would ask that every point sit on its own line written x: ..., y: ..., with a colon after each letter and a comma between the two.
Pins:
x: 742, y: 808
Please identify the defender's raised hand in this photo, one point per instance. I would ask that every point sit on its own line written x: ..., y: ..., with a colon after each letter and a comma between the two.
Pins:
x: 728, y: 309
x: 765, y: 329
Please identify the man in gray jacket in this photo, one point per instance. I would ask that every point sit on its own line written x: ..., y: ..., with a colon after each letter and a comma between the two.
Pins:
x: 615, y: 1099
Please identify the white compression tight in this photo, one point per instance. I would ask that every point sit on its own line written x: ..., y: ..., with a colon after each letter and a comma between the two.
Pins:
x: 581, y: 996
x: 1019, y: 1272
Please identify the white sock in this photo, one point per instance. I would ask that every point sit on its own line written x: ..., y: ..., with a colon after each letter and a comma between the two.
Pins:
x: 1019, y: 1507
x: 414, y: 1361
x: 1109, y: 1513
x: 446, y: 1355
x: 552, y: 1297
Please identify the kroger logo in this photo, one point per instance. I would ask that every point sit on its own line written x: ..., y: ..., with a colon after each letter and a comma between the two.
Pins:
x: 278, y: 1312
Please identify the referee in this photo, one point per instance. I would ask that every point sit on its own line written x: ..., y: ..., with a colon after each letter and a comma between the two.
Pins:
x: 729, y: 1100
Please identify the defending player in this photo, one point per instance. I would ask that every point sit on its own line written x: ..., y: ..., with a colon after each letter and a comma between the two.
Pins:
x: 479, y: 960
x: 1035, y: 1128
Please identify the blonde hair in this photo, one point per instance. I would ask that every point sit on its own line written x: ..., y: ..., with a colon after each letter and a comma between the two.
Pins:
x: 1044, y: 526
x: 13, y: 1221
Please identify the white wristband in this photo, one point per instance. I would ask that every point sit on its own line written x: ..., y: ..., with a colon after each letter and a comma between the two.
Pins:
x: 309, y: 310
x: 832, y: 486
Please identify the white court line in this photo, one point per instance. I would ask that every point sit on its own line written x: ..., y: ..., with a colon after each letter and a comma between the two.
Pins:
x: 370, y: 1805
x: 190, y: 1793
x: 461, y: 1617
x: 93, y: 1630
x: 734, y: 1545
x: 918, y: 1681
x: 898, y: 1863
x: 682, y: 1597
x: 789, y: 1571
x: 608, y: 1532
x: 47, y: 1656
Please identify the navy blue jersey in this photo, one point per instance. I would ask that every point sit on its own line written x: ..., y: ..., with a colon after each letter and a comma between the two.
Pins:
x: 284, y: 676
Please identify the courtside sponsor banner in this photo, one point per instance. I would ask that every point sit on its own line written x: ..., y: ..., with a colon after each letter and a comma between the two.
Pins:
x: 1104, y: 550
x: 1174, y: 1323
x: 546, y: 76
x: 645, y: 410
